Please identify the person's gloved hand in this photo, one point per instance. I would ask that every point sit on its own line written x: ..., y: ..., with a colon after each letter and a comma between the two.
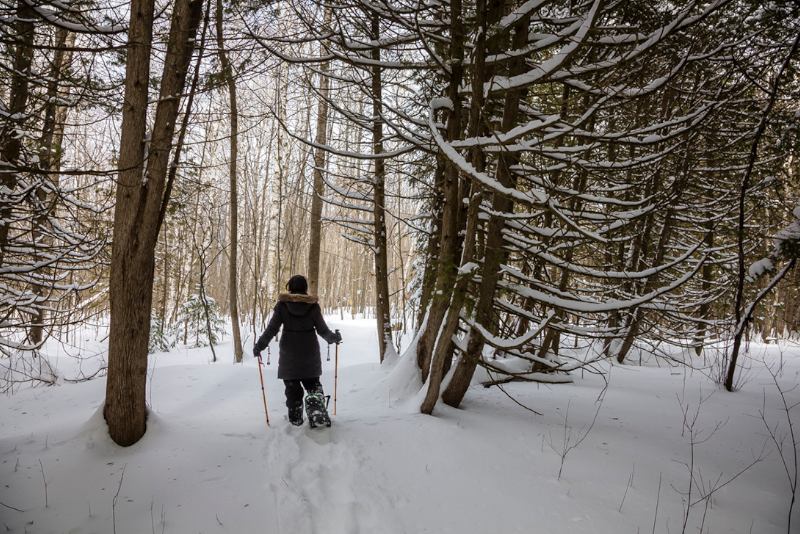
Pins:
x: 256, y: 352
x: 338, y: 337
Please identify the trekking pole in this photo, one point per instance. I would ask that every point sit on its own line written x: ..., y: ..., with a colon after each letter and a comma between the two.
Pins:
x: 335, y: 376
x: 264, y: 395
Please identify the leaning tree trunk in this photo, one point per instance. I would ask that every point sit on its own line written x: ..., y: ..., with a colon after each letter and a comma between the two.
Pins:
x: 233, y: 289
x: 494, y: 253
x: 431, y: 250
x: 173, y: 168
x: 444, y: 347
x: 446, y: 261
x: 139, y: 196
x: 762, y: 125
x: 637, y: 315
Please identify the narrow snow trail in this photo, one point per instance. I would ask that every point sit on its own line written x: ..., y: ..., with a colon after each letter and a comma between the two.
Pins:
x: 316, y: 483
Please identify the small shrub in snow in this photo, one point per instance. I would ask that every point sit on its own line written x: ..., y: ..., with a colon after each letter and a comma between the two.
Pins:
x: 194, y: 318
x: 159, y: 340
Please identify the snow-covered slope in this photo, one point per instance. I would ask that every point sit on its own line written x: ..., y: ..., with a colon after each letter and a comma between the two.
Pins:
x: 209, y: 463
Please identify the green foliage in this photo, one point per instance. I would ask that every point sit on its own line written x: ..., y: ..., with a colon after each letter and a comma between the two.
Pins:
x: 787, y: 241
x: 193, y: 325
x: 159, y: 338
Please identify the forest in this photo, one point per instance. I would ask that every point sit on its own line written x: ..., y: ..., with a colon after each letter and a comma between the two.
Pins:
x: 565, y: 182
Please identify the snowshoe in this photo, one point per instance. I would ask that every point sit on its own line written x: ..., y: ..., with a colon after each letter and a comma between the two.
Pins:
x: 316, y: 410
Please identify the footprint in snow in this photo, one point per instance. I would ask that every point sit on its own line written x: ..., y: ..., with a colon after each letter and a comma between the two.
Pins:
x: 317, y: 487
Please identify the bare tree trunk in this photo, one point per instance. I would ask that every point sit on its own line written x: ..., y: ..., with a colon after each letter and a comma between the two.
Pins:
x: 201, y: 254
x: 443, y: 351
x: 233, y: 290
x: 50, y: 152
x: 262, y: 237
x: 136, y: 215
x: 402, y: 266
x: 315, y: 236
x: 163, y: 311
x: 637, y: 315
x: 433, y: 370
x: 11, y: 145
x: 705, y: 307
x: 741, y: 321
x: 494, y: 253
x: 446, y: 264
x: 277, y: 186
x: 432, y: 252
x: 382, y: 304
x: 173, y: 168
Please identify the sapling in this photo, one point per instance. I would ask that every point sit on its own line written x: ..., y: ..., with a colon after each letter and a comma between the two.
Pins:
x: 566, y: 445
x: 45, y: 483
x: 114, y: 502
x: 658, y: 501
x: 705, y: 489
x: 627, y: 486
x: 788, y: 455
x: 152, y: 518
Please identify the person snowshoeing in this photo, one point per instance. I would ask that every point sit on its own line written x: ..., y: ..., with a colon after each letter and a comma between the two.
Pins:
x: 299, y: 363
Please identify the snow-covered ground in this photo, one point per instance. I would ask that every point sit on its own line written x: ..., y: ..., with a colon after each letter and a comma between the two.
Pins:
x: 210, y: 464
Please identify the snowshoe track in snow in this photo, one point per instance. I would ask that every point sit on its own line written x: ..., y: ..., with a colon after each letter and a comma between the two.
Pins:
x: 315, y: 482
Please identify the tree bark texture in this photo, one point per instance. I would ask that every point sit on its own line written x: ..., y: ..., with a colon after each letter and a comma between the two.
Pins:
x: 138, y: 202
x: 433, y: 371
x: 10, y: 141
x: 50, y: 155
x: 434, y: 239
x: 233, y: 256
x: 315, y: 227
x: 380, y: 248
x: 495, y: 253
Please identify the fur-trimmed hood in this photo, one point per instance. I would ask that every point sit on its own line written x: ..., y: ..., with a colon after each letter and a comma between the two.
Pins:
x: 297, y: 297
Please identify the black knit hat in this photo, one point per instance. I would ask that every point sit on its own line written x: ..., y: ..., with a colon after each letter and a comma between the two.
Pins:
x: 297, y: 284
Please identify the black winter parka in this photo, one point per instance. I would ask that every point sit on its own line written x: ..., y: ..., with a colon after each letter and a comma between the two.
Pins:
x: 301, y: 318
